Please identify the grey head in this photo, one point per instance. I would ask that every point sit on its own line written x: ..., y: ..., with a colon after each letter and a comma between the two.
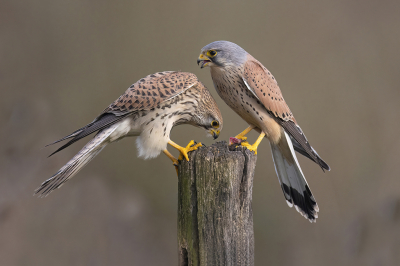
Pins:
x: 222, y: 54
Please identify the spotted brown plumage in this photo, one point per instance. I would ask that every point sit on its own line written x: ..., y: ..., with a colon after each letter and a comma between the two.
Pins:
x: 266, y: 89
x: 162, y: 86
x: 149, y: 109
x: 253, y: 93
x: 150, y: 91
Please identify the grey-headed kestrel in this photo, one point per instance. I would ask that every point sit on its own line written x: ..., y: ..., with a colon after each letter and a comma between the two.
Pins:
x: 253, y: 93
x: 149, y: 109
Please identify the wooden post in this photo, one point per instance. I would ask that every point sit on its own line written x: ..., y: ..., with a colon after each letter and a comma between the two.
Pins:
x: 215, y: 219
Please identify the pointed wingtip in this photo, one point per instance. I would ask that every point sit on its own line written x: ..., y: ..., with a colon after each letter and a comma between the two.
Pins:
x: 57, y: 141
x: 66, y: 137
x: 53, y: 142
x: 52, y: 153
x: 324, y: 166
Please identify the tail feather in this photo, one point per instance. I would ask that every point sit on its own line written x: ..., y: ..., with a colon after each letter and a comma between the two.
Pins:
x: 83, y: 157
x: 101, y: 122
x: 292, y: 180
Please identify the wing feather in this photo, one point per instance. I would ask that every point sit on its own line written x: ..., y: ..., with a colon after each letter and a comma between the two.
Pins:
x: 145, y: 94
x: 152, y: 90
x: 265, y: 87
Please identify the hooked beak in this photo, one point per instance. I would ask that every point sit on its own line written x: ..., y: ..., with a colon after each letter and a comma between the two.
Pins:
x: 214, y: 133
x: 203, y: 60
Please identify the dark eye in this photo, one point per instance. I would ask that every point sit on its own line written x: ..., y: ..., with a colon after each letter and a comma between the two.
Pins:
x: 212, y: 53
x: 215, y: 124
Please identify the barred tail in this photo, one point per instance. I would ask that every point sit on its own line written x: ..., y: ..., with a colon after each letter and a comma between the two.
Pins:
x: 293, y: 183
x: 83, y: 157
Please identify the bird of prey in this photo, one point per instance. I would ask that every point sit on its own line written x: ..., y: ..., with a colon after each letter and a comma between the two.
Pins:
x: 253, y: 93
x: 149, y: 109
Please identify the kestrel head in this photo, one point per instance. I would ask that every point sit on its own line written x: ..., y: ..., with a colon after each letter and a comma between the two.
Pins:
x: 221, y: 54
x: 207, y: 114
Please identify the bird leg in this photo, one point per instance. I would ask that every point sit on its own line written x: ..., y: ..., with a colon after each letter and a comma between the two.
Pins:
x: 244, y: 132
x: 255, y: 145
x: 175, y: 162
x: 184, y: 151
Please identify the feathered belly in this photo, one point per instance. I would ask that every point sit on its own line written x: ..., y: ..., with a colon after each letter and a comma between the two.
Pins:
x: 252, y: 111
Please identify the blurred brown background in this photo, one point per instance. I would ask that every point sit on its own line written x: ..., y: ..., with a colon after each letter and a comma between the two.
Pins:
x: 63, y: 62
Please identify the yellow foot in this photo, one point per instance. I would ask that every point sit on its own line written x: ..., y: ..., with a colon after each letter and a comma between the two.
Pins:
x: 190, y: 147
x: 175, y: 162
x: 242, y: 134
x: 249, y: 147
x: 243, y: 138
x: 255, y: 145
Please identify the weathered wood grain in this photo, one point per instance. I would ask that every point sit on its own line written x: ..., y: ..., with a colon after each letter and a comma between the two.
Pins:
x: 215, y: 220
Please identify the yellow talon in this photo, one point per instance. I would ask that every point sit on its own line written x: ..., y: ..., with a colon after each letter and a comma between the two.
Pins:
x: 243, y: 138
x: 189, y: 147
x: 255, y: 145
x: 175, y: 162
x: 249, y: 147
x: 183, y: 152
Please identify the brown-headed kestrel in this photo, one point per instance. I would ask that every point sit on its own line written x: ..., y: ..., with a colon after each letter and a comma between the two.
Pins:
x: 253, y: 93
x: 149, y: 109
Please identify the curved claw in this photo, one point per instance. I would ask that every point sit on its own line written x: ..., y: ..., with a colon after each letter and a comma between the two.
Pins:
x: 244, y: 132
x: 175, y: 162
x: 184, y: 151
x: 177, y: 170
x: 249, y: 147
x: 255, y: 145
